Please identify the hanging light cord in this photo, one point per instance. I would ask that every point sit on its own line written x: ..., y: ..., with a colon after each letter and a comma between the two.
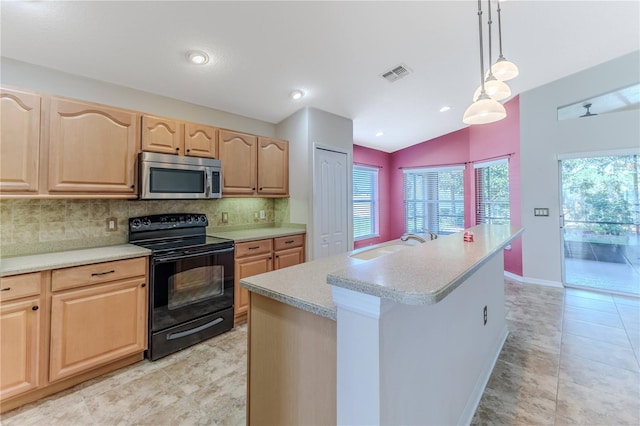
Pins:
x: 481, y: 51
x: 499, y: 31
x: 489, y: 22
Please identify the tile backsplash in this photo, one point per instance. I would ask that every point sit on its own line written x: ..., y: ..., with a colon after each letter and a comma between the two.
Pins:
x: 38, y: 226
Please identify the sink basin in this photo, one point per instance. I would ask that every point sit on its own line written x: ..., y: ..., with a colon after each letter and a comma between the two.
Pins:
x: 372, y: 253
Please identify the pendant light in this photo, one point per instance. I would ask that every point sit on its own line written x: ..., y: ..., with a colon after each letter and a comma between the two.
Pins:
x: 484, y: 109
x: 503, y: 69
x: 496, y: 89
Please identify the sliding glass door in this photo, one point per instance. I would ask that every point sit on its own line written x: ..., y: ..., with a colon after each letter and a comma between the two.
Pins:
x: 601, y: 223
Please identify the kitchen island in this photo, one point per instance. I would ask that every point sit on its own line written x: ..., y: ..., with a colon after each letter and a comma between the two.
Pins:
x: 392, y: 334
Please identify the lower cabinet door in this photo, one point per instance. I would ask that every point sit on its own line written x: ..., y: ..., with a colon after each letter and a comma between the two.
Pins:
x: 246, y: 267
x: 290, y: 257
x: 20, y: 343
x: 94, y: 325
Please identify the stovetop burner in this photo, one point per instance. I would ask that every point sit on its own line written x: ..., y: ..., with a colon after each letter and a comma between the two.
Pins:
x: 168, y: 232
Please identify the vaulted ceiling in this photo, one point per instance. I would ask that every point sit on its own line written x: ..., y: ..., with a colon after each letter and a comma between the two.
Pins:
x: 334, y: 51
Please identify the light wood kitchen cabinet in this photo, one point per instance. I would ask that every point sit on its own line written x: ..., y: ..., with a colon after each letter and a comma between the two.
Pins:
x: 169, y: 136
x: 273, y: 166
x: 238, y: 153
x: 251, y: 258
x: 94, y: 324
x: 21, y: 334
x: 288, y: 251
x: 92, y: 148
x: 254, y: 166
x: 259, y: 256
x: 19, y: 140
x: 200, y: 140
x: 163, y: 135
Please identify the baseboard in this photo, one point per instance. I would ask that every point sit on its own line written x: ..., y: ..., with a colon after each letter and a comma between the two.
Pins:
x: 528, y: 280
x: 478, y: 390
x: 513, y: 277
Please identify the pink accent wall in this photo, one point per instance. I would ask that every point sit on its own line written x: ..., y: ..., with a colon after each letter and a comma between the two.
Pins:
x: 474, y: 143
x: 371, y: 157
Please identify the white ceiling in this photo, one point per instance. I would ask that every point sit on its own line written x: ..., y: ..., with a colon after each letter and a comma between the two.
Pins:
x: 334, y: 51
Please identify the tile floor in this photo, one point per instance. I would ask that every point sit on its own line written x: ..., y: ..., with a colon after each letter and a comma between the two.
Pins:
x: 571, y: 358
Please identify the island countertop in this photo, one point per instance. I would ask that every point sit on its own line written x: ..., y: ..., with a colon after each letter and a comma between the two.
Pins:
x: 421, y: 274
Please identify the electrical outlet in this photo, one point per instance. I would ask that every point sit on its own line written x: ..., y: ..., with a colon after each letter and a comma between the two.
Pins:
x: 262, y: 215
x: 112, y: 224
x: 485, y: 314
x: 255, y: 215
x: 225, y: 217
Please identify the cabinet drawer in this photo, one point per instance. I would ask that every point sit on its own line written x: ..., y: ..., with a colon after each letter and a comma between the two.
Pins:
x: 17, y: 286
x: 282, y: 243
x: 78, y: 276
x: 251, y: 248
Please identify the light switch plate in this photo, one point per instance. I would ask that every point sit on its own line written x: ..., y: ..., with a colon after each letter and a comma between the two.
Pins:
x: 541, y: 211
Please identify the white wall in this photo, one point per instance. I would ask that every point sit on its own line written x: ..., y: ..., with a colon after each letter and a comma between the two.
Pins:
x: 543, y: 138
x: 33, y: 77
x: 304, y: 129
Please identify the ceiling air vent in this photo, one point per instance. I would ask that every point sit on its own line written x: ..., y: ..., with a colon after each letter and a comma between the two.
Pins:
x: 396, y: 73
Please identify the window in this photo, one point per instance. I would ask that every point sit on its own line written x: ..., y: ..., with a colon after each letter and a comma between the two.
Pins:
x: 492, y: 192
x: 365, y: 202
x: 434, y: 199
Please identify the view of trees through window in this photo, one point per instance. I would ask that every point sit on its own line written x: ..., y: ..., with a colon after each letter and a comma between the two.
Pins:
x: 492, y: 192
x: 434, y: 200
x: 600, y: 198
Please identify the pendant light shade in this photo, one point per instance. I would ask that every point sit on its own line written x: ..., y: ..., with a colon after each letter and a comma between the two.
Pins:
x: 484, y: 110
x: 495, y: 89
x: 504, y: 70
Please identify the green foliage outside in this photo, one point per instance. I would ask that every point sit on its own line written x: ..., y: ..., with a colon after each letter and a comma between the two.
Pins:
x: 600, y: 197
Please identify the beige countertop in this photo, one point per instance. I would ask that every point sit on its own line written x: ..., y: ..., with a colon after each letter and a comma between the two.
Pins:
x: 242, y: 235
x: 416, y: 274
x: 63, y: 259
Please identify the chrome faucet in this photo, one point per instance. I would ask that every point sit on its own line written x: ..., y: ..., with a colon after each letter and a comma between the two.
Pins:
x: 407, y: 237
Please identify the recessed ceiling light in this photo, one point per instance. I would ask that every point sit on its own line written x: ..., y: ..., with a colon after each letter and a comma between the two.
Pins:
x: 197, y: 57
x: 296, y: 94
x: 380, y: 134
x: 445, y: 108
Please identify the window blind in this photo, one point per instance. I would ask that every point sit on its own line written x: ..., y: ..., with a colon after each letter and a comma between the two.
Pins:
x: 492, y: 192
x: 365, y: 202
x: 434, y: 199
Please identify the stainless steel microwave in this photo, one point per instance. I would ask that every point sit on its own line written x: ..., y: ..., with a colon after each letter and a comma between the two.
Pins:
x: 177, y: 177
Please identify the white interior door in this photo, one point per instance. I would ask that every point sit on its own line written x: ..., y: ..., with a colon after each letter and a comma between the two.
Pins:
x: 330, y: 203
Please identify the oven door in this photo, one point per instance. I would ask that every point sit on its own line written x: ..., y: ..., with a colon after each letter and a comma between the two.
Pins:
x: 191, y: 299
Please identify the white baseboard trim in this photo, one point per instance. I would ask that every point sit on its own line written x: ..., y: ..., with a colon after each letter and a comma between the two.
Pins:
x: 528, y: 280
x: 513, y: 276
x: 478, y: 390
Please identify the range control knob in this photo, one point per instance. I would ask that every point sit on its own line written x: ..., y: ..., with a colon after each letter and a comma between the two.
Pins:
x: 146, y: 221
x: 190, y: 218
x: 135, y: 223
x: 203, y: 218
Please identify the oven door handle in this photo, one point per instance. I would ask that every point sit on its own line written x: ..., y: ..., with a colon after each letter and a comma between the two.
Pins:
x: 188, y: 255
x: 178, y: 335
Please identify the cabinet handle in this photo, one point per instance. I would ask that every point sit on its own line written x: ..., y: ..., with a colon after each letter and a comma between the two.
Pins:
x: 143, y: 285
x: 253, y: 248
x: 260, y: 188
x: 178, y: 149
x: 5, y: 289
x: 35, y: 308
x: 188, y: 150
x: 253, y: 189
x: 97, y: 274
x: 133, y: 186
x: 278, y: 257
x: 289, y: 241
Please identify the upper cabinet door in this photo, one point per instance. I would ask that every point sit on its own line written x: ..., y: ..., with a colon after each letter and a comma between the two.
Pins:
x: 92, y: 148
x: 238, y: 153
x: 200, y: 140
x: 273, y: 166
x: 162, y: 135
x: 19, y: 140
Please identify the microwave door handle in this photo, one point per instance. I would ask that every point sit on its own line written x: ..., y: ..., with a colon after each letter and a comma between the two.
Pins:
x: 207, y: 184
